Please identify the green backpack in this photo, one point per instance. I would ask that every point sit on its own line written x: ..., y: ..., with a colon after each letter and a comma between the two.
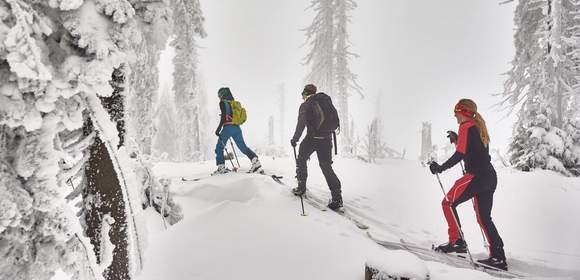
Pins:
x: 238, y: 112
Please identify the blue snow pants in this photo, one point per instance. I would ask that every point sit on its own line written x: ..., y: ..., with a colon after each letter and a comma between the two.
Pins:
x: 234, y: 132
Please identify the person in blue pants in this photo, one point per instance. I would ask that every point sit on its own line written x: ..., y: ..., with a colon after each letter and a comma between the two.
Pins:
x: 227, y: 129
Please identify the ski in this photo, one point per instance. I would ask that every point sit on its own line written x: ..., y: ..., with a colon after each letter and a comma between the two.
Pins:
x: 453, y: 260
x: 195, y: 179
x: 342, y: 212
x: 190, y: 179
x: 317, y: 203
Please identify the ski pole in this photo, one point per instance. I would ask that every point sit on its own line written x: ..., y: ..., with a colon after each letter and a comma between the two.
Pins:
x: 301, y: 199
x: 456, y: 222
x: 302, y: 203
x: 230, y: 158
x: 71, y: 183
x: 235, y: 155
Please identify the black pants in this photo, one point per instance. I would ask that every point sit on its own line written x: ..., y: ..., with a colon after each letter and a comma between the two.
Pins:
x: 481, y: 188
x: 323, y: 149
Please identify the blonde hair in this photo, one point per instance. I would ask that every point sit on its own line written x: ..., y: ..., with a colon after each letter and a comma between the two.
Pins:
x: 479, y: 121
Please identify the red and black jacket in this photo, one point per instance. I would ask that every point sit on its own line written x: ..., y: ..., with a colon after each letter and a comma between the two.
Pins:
x: 471, y: 150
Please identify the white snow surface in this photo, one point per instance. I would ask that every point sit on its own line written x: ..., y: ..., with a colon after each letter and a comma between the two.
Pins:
x: 245, y: 226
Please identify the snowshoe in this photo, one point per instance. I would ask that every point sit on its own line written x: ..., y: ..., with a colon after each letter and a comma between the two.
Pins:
x: 221, y: 169
x: 458, y: 247
x: 298, y: 191
x: 256, y: 165
x: 495, y: 262
x: 336, y: 205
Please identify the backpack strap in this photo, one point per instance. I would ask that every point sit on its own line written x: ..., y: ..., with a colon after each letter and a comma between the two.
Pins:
x: 335, y: 147
x: 229, y: 116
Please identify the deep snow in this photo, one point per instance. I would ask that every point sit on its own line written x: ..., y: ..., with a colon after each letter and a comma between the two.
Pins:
x: 245, y: 226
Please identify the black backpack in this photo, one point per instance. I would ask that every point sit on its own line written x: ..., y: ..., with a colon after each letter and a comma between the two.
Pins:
x: 325, y: 116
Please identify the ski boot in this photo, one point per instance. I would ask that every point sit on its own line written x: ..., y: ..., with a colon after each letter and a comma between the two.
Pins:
x: 495, y: 262
x: 336, y: 205
x: 221, y: 169
x: 458, y: 247
x: 256, y: 166
x: 299, y: 191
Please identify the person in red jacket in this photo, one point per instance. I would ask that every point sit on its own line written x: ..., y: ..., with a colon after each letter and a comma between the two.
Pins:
x: 479, y: 182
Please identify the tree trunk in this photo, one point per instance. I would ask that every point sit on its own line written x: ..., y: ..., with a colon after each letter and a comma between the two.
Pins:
x: 103, y: 194
x: 103, y: 191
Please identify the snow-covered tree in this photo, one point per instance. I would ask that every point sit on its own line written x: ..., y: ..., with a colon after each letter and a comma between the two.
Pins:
x: 321, y: 37
x: 329, y: 56
x: 543, y: 84
x: 426, y: 144
x: 206, y: 135
x: 154, y: 24
x: 64, y: 68
x: 56, y: 59
x: 373, y: 144
x: 282, y: 113
x: 166, y: 119
x: 188, y: 24
x: 345, y: 79
x: 271, y: 130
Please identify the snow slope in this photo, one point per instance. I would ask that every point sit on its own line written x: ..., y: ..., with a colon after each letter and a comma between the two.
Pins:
x: 246, y: 226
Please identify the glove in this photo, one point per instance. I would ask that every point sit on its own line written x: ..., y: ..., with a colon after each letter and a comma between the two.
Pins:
x: 217, y: 133
x: 293, y: 142
x: 435, y: 168
x: 452, y: 137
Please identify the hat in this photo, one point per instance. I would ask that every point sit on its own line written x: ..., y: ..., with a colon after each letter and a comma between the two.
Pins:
x: 309, y: 89
x: 224, y: 92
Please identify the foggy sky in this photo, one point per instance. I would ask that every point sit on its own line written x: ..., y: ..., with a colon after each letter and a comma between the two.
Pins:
x: 420, y: 56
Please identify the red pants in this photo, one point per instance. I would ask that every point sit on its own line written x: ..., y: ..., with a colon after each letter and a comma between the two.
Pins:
x: 481, y: 188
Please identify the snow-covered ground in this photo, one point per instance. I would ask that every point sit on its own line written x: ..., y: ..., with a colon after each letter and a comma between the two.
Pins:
x: 245, y: 226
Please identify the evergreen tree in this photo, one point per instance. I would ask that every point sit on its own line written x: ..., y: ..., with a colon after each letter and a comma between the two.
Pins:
x: 345, y: 79
x: 542, y: 85
x: 271, y: 130
x: 321, y: 37
x: 426, y: 143
x: 188, y: 24
x: 282, y: 113
x: 329, y: 55
x: 166, y: 119
x: 373, y: 144
x: 154, y: 24
x: 56, y: 59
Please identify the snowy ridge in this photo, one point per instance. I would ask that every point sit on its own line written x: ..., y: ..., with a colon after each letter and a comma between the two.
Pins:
x: 253, y: 225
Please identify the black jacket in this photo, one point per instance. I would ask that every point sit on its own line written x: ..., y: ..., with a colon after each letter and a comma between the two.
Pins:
x: 307, y: 117
x: 471, y: 150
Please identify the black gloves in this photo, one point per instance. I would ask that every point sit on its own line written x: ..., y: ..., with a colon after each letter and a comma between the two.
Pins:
x: 452, y: 136
x: 293, y: 142
x: 435, y: 168
x: 217, y: 133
